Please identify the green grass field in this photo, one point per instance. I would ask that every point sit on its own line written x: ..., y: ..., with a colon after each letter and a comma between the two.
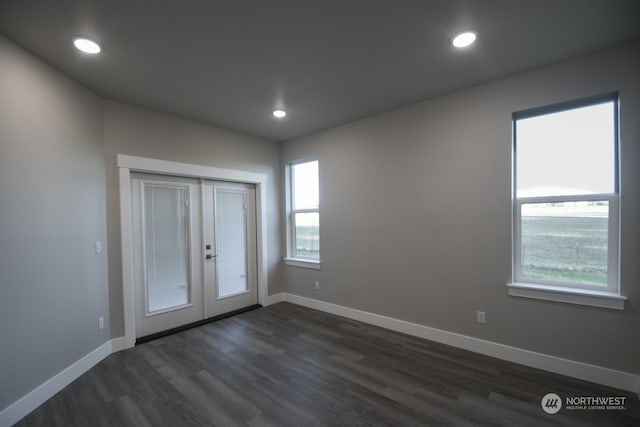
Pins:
x: 565, y: 249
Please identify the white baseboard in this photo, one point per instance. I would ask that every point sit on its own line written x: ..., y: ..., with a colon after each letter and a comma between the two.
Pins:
x: 275, y: 298
x: 27, y: 403
x: 118, y: 344
x: 571, y: 368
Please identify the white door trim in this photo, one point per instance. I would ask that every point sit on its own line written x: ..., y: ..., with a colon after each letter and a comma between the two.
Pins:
x: 126, y: 165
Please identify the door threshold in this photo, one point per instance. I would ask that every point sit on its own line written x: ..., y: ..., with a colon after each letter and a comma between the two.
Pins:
x: 177, y: 329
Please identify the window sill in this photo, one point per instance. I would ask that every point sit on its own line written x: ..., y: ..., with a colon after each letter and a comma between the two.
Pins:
x: 303, y: 263
x: 567, y: 295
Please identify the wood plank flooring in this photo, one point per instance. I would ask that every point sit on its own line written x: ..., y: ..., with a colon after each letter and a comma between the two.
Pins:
x: 286, y: 365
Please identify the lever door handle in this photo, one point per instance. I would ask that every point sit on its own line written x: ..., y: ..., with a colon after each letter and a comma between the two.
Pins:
x: 209, y: 256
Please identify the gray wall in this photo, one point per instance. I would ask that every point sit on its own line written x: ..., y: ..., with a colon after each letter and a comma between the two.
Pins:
x: 59, y: 194
x: 139, y: 132
x: 53, y: 286
x: 415, y: 214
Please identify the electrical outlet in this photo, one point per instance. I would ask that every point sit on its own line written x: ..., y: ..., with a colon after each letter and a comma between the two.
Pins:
x: 98, y: 247
x: 482, y: 317
x: 317, y: 285
x: 101, y: 323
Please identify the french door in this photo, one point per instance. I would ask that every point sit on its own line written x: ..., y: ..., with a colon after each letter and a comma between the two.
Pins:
x: 194, y: 250
x: 230, y: 246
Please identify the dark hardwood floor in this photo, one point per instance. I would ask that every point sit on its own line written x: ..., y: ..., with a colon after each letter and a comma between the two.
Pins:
x: 286, y: 365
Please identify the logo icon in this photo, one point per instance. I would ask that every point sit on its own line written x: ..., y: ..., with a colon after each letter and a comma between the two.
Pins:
x: 551, y: 403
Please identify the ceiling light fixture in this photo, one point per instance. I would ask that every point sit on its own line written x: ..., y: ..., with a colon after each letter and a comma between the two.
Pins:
x: 87, y: 46
x: 464, y: 39
x: 279, y: 113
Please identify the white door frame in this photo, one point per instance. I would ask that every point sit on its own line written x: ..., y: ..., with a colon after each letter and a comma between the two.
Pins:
x: 126, y: 165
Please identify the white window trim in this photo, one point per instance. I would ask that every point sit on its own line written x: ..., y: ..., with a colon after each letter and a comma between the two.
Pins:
x: 303, y: 263
x: 600, y: 299
x: 595, y: 296
x: 292, y: 259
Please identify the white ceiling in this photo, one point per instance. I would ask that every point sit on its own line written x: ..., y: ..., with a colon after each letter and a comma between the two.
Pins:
x: 231, y: 62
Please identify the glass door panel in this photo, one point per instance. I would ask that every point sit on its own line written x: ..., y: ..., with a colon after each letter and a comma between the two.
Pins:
x: 166, y: 239
x: 231, y: 242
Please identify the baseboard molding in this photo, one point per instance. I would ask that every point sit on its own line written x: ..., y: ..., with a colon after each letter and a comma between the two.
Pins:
x: 27, y: 403
x: 584, y: 371
x: 118, y: 344
x: 275, y: 298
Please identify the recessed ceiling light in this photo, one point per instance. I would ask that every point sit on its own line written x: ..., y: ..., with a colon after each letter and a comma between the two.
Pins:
x: 464, y: 39
x: 86, y: 45
x: 279, y: 113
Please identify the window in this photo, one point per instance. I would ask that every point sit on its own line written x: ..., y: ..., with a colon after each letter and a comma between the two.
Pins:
x: 566, y: 196
x: 304, y: 215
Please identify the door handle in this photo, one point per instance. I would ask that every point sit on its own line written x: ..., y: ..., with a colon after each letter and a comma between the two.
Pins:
x: 209, y: 256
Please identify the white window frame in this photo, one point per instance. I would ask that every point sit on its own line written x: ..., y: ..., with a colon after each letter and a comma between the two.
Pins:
x: 593, y: 295
x: 293, y: 258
